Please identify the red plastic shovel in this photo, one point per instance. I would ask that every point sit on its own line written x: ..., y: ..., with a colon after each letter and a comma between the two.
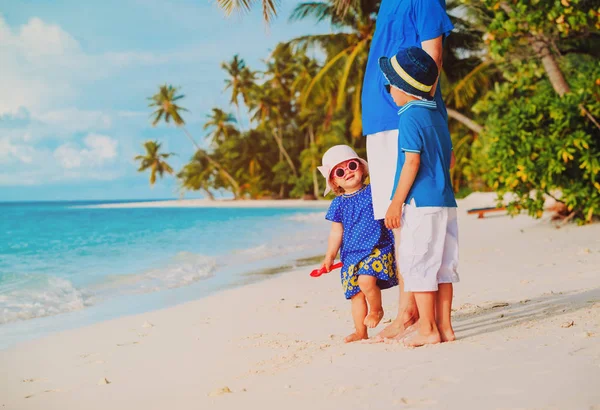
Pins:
x: 318, y: 272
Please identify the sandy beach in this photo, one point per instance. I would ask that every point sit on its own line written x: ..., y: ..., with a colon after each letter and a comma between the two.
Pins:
x: 527, y: 319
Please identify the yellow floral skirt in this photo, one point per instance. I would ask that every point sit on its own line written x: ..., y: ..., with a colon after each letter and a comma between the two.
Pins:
x: 380, y: 264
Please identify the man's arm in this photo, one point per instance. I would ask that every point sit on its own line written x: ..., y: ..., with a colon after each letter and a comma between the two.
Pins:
x: 407, y: 178
x: 434, y: 49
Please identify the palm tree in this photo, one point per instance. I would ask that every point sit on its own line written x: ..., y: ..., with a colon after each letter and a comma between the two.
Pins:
x: 154, y: 160
x: 221, y: 125
x: 199, y: 174
x: 269, y: 7
x: 234, y: 69
x: 166, y: 107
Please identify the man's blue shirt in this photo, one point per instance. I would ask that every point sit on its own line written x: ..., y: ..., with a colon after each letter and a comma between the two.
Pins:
x: 422, y: 129
x: 400, y: 24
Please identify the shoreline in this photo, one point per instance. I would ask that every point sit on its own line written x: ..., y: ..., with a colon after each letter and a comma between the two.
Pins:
x: 526, y: 314
x: 220, y: 203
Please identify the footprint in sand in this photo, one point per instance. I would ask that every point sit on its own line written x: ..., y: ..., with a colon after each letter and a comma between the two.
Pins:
x: 127, y: 344
x: 415, y: 402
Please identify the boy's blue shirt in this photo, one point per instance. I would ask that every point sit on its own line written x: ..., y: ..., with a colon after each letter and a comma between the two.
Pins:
x: 400, y: 24
x: 422, y: 129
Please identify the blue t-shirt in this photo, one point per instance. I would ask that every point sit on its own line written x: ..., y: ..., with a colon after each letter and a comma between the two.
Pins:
x: 423, y: 129
x: 400, y: 24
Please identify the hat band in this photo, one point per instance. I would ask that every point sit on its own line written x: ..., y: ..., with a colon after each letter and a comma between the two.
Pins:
x: 406, y: 77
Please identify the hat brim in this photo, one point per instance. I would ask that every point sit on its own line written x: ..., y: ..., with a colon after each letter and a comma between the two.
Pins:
x: 395, y: 80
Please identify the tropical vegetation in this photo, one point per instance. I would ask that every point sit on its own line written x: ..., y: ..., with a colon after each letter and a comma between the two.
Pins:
x: 521, y: 80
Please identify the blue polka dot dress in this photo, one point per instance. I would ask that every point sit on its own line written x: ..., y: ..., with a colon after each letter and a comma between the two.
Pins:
x: 367, y: 245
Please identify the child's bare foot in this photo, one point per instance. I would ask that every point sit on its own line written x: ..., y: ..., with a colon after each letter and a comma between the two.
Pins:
x: 373, y: 318
x: 355, y: 337
x: 417, y: 339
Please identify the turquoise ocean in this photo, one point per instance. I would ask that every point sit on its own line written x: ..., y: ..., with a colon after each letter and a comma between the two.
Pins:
x: 69, y: 264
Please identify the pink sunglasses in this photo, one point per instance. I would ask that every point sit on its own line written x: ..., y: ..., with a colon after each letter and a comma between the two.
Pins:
x: 340, y: 171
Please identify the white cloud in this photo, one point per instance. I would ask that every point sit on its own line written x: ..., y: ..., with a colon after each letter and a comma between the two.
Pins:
x: 73, y: 120
x: 97, y: 150
x: 11, y: 152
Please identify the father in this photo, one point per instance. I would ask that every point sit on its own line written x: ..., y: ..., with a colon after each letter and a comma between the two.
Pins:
x: 400, y: 23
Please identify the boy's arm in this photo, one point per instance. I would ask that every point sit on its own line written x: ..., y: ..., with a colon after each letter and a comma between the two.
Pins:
x: 407, y: 177
x: 333, y: 244
x: 434, y: 48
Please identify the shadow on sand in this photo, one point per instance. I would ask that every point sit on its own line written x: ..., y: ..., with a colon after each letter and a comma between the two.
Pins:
x: 491, y: 317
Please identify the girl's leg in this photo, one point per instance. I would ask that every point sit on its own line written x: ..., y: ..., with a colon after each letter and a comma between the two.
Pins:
x: 368, y: 286
x: 444, y: 311
x: 427, y: 331
x: 359, y: 312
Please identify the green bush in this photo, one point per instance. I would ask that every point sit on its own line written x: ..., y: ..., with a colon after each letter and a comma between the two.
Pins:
x: 538, y: 143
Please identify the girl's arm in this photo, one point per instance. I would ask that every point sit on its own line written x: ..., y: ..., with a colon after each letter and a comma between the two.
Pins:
x: 407, y: 177
x: 333, y: 244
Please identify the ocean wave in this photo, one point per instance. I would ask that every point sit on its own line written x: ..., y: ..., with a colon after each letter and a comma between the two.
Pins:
x: 38, y: 296
x: 46, y: 297
x: 307, y: 217
x: 184, y: 269
x: 266, y: 251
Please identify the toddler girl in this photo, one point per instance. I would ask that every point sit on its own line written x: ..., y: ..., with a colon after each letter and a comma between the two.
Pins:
x: 367, y: 247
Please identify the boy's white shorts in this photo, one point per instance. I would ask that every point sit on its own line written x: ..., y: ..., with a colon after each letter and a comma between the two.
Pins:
x: 427, y: 247
x: 382, y: 156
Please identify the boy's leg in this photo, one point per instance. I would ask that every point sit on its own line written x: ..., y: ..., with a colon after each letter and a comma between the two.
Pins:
x: 443, y: 312
x: 359, y: 312
x: 427, y: 331
x: 448, y: 275
x: 368, y: 286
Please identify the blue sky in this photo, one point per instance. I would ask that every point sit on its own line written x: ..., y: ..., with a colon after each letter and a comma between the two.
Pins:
x: 75, y: 76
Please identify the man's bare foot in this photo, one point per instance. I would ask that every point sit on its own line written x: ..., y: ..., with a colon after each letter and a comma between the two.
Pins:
x: 447, y: 334
x: 401, y: 336
x: 398, y: 326
x: 417, y: 339
x: 373, y: 318
x: 355, y: 337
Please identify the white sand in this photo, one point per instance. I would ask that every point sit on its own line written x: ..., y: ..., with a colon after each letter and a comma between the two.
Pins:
x: 527, y: 320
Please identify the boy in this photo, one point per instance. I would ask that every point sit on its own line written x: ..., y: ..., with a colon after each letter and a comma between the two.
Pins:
x: 423, y: 209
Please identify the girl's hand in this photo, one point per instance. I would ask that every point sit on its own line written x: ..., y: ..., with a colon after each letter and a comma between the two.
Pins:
x: 393, y: 216
x: 327, y: 262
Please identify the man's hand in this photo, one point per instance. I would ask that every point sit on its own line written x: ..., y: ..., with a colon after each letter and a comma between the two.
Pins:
x: 393, y: 216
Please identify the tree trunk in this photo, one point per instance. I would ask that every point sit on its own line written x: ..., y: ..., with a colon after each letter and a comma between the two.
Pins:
x: 227, y: 175
x: 466, y: 121
x: 314, y: 163
x: 210, y: 194
x: 556, y: 77
x: 285, y: 154
x: 190, y: 137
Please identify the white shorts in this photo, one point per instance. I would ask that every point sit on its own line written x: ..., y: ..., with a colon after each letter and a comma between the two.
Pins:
x: 382, y: 156
x: 427, y: 247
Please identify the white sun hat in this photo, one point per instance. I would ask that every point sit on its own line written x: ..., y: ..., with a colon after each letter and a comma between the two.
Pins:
x: 334, y: 156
